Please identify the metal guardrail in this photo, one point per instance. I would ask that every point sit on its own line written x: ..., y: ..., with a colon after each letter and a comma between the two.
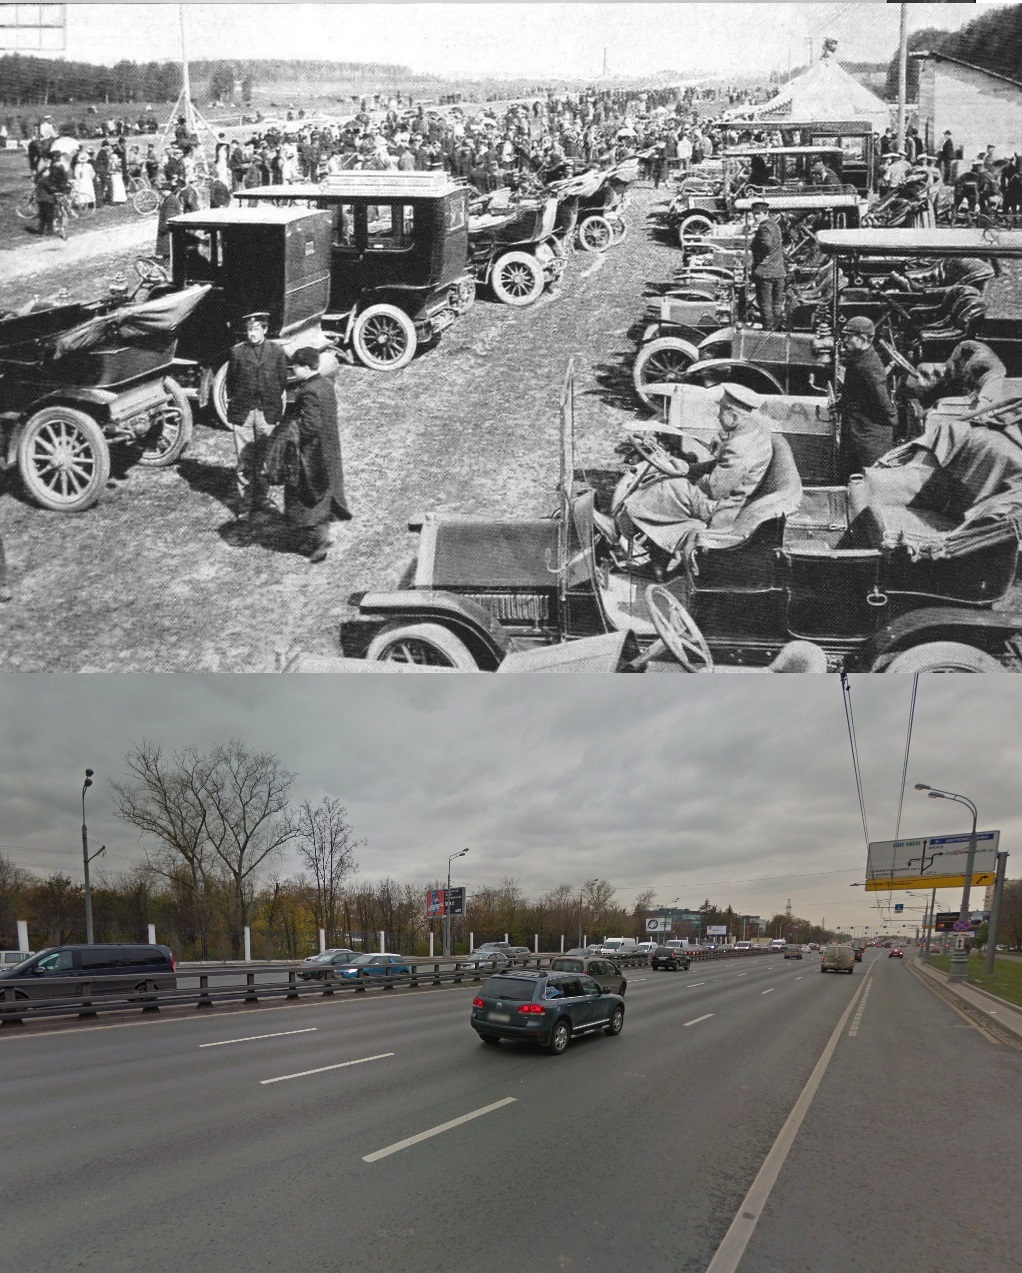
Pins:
x: 88, y: 1002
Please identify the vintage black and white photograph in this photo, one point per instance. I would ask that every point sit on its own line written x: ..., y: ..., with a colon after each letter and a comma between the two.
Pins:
x: 510, y: 337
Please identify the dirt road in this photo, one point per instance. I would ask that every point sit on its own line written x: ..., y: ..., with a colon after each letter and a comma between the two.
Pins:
x: 157, y: 578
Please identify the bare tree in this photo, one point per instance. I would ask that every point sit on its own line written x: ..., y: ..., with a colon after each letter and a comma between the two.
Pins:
x: 327, y: 844
x: 13, y: 885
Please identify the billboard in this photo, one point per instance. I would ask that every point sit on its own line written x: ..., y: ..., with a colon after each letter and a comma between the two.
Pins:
x: 442, y: 901
x: 32, y: 28
x: 935, y: 861
x: 944, y: 922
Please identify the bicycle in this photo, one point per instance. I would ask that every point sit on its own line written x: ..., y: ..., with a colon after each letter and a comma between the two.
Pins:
x: 144, y: 200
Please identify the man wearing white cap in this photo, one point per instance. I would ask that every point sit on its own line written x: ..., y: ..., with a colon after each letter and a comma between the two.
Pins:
x: 710, y: 493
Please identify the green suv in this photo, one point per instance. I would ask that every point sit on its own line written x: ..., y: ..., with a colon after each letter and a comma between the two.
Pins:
x: 548, y: 1008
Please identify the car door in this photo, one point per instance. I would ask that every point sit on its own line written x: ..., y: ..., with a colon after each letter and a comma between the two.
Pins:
x: 601, y: 972
x: 48, y: 977
x: 597, y: 1003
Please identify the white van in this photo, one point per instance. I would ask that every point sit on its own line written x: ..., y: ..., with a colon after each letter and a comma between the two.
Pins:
x: 778, y: 944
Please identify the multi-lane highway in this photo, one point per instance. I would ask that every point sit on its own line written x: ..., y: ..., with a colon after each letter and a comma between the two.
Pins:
x: 752, y: 1116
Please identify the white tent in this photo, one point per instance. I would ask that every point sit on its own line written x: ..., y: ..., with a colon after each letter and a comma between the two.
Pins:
x: 824, y: 91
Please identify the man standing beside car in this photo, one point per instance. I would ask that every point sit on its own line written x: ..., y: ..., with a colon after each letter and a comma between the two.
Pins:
x: 256, y: 382
x: 768, y: 268
x: 867, y: 412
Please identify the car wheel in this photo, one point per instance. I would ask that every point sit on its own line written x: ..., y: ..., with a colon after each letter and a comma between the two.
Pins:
x: 617, y: 1020
x: 171, y: 431
x: 489, y: 1038
x: 145, y: 202
x: 517, y: 279
x: 384, y: 338
x: 595, y: 234
x: 425, y: 644
x: 944, y: 656
x: 695, y: 226
x: 663, y: 361
x: 560, y: 1038
x: 619, y: 228
x: 63, y: 459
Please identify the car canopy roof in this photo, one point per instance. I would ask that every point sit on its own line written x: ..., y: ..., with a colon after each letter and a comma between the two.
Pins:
x: 747, y: 152
x: 217, y: 218
x: 800, y: 202
x: 921, y: 241
x: 363, y: 183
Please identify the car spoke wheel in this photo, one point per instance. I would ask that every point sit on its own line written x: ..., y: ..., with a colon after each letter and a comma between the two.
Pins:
x: 560, y: 1038
x: 27, y: 206
x: 662, y: 362
x: 149, y: 270
x: 423, y: 644
x: 695, y: 226
x: 618, y: 228
x: 171, y: 431
x: 677, y: 629
x: 384, y: 338
x: 944, y: 656
x: 596, y: 234
x: 63, y: 459
x: 617, y: 1020
x: 517, y: 279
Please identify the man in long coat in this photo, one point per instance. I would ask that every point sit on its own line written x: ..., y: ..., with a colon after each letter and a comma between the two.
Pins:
x: 314, y: 496
x: 868, y: 415
x: 768, y: 268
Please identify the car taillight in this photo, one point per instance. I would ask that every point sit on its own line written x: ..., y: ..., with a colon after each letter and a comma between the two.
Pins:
x: 173, y: 965
x: 531, y: 1010
x: 477, y: 1002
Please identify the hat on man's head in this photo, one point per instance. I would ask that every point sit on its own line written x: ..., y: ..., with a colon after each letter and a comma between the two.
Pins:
x: 859, y: 326
x: 257, y: 316
x: 741, y: 398
x: 306, y: 357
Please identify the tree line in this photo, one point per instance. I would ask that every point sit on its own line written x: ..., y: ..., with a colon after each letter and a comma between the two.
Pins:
x: 992, y: 42
x: 215, y: 826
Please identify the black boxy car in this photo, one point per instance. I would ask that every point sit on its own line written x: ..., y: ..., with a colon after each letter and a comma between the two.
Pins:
x: 669, y: 957
x: 548, y: 1008
x: 59, y: 972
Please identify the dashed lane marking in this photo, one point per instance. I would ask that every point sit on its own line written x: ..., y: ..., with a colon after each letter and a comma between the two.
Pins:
x: 435, y: 1131
x: 341, y: 1065
x: 696, y: 1020
x: 251, y: 1038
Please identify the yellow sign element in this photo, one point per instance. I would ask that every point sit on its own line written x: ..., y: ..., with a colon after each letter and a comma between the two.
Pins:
x: 980, y: 879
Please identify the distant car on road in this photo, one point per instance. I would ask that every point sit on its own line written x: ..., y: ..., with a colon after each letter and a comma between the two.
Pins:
x: 837, y: 959
x: 895, y: 953
x: 548, y: 1008
x: 744, y: 945
x: 600, y: 968
x: 380, y: 965
x: 858, y: 954
x: 491, y: 959
x: 793, y: 952
x: 11, y: 958
x: 670, y: 957
x: 316, y: 966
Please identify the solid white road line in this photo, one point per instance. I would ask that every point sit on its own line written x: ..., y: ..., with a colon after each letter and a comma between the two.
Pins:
x: 251, y: 1038
x: 692, y: 984
x: 435, y: 1131
x: 731, y: 1250
x: 323, y: 1069
x: 696, y: 1020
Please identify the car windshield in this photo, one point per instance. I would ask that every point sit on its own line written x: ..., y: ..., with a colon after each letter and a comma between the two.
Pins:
x: 365, y: 959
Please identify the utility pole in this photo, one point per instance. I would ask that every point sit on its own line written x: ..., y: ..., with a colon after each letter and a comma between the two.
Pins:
x: 902, y: 75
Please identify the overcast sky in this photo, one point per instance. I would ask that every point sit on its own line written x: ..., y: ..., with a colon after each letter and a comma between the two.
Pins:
x: 485, y: 39
x: 740, y: 789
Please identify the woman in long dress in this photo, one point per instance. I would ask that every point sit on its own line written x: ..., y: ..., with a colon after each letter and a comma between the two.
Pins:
x: 83, y: 179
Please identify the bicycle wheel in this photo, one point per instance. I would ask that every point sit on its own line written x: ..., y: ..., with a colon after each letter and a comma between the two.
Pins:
x: 27, y: 207
x: 145, y: 201
x: 83, y: 209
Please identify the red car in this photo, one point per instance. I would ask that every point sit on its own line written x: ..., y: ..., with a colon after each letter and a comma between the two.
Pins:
x: 895, y: 953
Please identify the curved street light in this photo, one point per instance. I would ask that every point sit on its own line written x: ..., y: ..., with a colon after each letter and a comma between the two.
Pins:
x: 447, y: 903
x: 86, y: 859
x: 959, y: 959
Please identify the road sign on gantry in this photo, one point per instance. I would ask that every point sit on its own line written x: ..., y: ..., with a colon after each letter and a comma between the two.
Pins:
x: 935, y: 861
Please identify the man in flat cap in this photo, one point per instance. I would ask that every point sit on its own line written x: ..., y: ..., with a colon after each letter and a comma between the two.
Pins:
x: 256, y: 381
x: 768, y: 268
x: 868, y: 414
x: 707, y: 493
x: 314, y: 494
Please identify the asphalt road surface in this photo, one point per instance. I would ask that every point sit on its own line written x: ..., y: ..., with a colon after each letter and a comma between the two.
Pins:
x: 762, y: 1118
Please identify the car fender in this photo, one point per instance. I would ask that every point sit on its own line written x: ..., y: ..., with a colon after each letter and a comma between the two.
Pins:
x: 722, y: 336
x: 987, y: 630
x: 467, y: 619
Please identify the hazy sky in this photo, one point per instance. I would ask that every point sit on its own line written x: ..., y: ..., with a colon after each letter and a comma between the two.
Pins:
x: 544, y: 39
x: 736, y: 788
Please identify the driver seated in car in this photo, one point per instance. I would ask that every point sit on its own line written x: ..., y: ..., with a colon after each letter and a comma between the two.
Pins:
x: 664, y: 516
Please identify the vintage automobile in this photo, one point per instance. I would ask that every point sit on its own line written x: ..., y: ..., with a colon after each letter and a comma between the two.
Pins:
x: 516, y: 247
x: 854, y: 137
x: 899, y: 572
x: 399, y: 272
x: 747, y: 171
x: 262, y: 258
x: 709, y: 299
x: 601, y: 198
x: 75, y: 378
x: 913, y: 326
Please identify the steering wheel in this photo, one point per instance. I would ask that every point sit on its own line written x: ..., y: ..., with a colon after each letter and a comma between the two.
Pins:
x: 658, y: 456
x: 677, y: 629
x: 150, y: 271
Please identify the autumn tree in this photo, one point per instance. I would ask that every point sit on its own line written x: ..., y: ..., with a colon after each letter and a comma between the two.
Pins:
x: 326, y: 843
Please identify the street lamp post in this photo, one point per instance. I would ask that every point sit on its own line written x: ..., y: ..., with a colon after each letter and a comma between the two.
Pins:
x: 959, y: 958
x: 86, y: 860
x: 447, y: 903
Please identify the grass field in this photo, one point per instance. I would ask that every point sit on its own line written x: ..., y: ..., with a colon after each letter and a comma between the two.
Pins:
x: 1005, y: 981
